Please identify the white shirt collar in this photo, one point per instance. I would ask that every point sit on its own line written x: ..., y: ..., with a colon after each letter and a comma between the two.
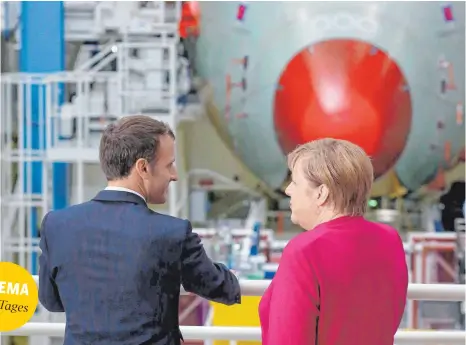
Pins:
x: 122, y: 189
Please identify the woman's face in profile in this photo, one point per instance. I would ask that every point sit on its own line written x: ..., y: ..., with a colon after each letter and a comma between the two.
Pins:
x: 303, y: 199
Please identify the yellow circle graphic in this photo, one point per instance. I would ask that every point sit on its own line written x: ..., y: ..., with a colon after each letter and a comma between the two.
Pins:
x: 18, y: 296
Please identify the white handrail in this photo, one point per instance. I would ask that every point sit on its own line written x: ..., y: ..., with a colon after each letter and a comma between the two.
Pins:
x: 249, y: 333
x: 103, y: 52
x: 423, y: 292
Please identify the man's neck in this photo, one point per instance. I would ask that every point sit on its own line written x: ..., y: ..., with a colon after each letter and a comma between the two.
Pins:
x: 125, y: 184
x: 117, y: 185
x: 122, y: 184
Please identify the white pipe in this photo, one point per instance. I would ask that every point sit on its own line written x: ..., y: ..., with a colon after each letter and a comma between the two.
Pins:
x: 210, y: 317
x: 103, y: 52
x: 189, y: 309
x: 437, y: 292
x: 422, y: 292
x: 249, y: 333
x: 430, y: 337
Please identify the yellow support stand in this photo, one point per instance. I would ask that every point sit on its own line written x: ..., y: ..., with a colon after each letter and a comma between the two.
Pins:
x: 245, y: 314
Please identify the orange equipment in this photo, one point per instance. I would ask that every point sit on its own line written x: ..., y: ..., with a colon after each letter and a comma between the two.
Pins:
x: 190, y: 15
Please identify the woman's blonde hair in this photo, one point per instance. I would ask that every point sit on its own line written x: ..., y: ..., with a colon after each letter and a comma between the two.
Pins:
x: 343, y: 167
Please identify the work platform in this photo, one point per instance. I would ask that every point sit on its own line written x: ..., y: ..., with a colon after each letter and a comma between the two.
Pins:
x: 78, y: 105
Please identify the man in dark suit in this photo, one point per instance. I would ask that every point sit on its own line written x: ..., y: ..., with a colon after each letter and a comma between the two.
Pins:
x: 113, y: 265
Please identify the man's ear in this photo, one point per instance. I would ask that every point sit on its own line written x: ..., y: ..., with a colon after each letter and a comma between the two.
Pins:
x: 142, y: 168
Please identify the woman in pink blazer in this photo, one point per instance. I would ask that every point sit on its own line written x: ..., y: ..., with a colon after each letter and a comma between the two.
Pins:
x: 344, y: 281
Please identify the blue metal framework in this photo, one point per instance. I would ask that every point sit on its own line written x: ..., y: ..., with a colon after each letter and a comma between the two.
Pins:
x: 43, y: 51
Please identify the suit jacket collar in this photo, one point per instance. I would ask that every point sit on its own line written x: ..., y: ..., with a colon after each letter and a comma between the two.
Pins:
x: 119, y: 196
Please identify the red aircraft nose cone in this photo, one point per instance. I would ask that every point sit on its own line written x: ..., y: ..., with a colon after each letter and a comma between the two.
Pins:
x: 344, y: 89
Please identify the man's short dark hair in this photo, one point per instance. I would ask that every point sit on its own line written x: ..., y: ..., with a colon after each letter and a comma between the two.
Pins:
x: 126, y: 141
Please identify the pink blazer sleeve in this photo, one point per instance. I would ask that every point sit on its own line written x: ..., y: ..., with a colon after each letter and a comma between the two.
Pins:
x: 294, y: 304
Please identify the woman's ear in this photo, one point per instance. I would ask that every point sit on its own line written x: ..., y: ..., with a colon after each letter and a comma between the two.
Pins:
x: 322, y: 194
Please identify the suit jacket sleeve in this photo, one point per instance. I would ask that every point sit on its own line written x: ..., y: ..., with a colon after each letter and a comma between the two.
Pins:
x: 201, y: 276
x: 49, y: 296
x: 294, y: 303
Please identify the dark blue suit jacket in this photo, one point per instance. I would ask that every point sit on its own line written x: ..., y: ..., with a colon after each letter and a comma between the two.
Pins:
x: 115, y: 268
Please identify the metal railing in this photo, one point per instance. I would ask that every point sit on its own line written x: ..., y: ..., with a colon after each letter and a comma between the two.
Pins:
x: 250, y: 333
x: 422, y: 292
x: 426, y: 292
